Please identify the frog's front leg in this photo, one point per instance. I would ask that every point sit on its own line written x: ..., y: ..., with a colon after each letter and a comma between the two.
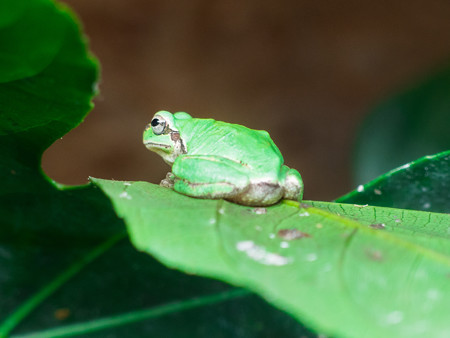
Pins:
x: 208, y: 176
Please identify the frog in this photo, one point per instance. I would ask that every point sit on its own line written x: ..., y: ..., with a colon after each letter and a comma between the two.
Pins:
x: 212, y: 159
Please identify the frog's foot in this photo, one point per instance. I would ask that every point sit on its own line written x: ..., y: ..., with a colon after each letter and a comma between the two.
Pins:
x: 292, y: 184
x: 169, y: 181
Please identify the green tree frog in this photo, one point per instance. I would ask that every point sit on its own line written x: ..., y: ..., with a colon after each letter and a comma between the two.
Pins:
x: 214, y: 159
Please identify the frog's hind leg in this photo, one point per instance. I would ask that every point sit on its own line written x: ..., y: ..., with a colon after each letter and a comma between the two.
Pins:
x: 292, y: 184
x: 208, y: 177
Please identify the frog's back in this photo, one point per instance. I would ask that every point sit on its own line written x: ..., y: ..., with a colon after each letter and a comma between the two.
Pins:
x: 250, y: 147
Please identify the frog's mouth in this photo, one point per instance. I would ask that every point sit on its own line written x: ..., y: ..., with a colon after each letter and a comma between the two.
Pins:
x: 152, y: 145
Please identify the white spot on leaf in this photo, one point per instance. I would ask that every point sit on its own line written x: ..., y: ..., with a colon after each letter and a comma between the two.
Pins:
x: 394, y: 317
x: 360, y: 188
x: 433, y: 294
x: 284, y: 245
x: 125, y: 195
x: 261, y: 255
x: 260, y: 211
x: 244, y: 245
x: 311, y: 257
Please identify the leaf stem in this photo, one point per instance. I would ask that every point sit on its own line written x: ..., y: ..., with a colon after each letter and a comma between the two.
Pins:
x: 130, y: 317
x: 30, y: 304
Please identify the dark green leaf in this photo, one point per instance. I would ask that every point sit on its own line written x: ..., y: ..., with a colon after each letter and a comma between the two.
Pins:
x: 125, y: 293
x: 371, y: 277
x: 423, y: 184
x: 27, y: 45
x: 410, y: 125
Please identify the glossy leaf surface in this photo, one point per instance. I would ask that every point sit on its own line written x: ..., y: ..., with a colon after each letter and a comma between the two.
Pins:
x: 423, y: 184
x: 345, y: 270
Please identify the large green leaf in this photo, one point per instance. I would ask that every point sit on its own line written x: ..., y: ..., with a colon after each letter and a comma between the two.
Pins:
x: 384, y: 274
x: 66, y: 266
x: 423, y: 184
x: 407, y: 126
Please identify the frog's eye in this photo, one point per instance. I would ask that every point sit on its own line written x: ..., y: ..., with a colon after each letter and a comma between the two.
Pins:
x: 158, y: 125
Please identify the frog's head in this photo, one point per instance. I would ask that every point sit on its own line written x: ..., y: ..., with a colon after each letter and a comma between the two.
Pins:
x: 162, y: 135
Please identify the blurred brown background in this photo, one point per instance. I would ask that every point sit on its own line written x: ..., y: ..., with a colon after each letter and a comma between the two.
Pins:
x: 306, y: 71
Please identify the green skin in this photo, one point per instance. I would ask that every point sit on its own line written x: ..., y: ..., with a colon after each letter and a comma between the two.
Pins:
x: 213, y: 159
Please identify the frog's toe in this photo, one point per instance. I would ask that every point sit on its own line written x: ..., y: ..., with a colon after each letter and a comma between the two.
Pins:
x: 168, y: 182
x: 293, y: 185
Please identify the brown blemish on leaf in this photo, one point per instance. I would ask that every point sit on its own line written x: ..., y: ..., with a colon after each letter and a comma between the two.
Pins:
x: 62, y: 313
x: 290, y: 234
x: 375, y: 255
x: 378, y: 226
x: 260, y: 211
